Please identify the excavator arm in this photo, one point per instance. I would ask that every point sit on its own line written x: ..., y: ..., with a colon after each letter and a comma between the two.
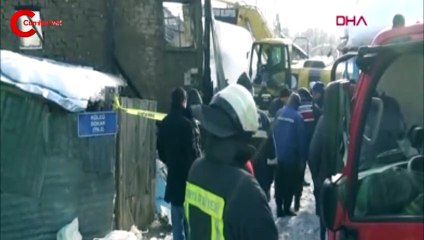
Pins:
x: 251, y: 18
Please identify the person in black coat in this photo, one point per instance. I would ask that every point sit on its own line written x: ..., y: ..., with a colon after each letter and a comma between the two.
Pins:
x: 318, y: 164
x: 178, y: 147
x: 318, y: 167
x: 318, y: 90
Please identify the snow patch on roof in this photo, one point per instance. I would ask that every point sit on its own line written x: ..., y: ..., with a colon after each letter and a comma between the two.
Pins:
x: 70, y: 86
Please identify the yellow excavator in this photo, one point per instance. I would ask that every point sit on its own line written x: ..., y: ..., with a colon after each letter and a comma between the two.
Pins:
x: 274, y: 60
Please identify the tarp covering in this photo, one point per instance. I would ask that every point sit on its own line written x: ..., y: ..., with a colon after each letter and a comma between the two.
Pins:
x: 232, y: 45
x: 70, y: 86
x: 238, y: 42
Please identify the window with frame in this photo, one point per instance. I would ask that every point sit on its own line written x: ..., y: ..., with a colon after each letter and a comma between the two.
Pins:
x: 255, y: 60
x: 271, y: 62
x: 390, y: 171
x: 296, y: 55
x: 272, y: 55
x: 179, y: 26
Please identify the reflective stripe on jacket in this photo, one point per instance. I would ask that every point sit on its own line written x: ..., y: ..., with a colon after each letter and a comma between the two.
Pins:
x: 226, y: 202
x: 307, y: 112
x: 209, y: 203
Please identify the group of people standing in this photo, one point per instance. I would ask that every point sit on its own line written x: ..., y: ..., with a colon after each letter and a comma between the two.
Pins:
x: 298, y: 130
x: 224, y: 190
x: 294, y: 123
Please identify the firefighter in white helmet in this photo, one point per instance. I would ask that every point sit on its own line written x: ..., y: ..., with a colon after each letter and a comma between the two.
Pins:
x: 224, y: 201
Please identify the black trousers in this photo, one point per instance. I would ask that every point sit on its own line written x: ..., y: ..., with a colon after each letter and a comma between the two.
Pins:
x: 264, y: 173
x: 322, y: 227
x: 286, y: 183
x: 299, y: 187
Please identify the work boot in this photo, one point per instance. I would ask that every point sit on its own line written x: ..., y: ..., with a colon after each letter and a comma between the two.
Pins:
x: 290, y: 213
x: 279, y: 211
x: 297, y: 204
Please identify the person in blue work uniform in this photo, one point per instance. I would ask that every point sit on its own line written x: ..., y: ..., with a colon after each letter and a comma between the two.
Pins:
x: 306, y: 110
x: 289, y: 134
x: 263, y: 140
x: 223, y: 200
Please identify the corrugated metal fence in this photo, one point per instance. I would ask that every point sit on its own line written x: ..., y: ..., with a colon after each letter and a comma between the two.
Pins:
x: 136, y: 166
x: 49, y: 175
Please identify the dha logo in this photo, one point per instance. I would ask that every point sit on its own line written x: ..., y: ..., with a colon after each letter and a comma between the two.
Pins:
x: 345, y: 20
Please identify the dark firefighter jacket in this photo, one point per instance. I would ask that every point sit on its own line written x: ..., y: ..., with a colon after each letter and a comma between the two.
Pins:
x: 317, y: 165
x: 178, y: 147
x: 223, y: 201
x: 318, y: 108
x: 289, y: 134
x: 263, y: 141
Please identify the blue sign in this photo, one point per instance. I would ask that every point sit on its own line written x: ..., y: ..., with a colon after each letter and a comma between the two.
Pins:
x: 97, y: 124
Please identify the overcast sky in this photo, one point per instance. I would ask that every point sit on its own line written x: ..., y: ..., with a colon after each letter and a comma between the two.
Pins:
x: 298, y: 15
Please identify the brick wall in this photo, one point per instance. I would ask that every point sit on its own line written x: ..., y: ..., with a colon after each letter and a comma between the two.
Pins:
x: 88, y: 34
x: 80, y: 39
x: 139, y: 43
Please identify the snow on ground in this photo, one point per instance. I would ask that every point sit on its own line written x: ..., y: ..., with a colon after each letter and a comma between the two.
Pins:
x: 305, y: 226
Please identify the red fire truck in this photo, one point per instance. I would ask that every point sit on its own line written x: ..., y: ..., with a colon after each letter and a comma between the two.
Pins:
x: 374, y: 148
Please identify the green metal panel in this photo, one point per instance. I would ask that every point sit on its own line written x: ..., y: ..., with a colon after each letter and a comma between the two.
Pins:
x: 22, y: 142
x: 49, y: 176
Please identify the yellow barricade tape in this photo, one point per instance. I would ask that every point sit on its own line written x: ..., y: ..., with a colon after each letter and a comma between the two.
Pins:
x: 139, y: 112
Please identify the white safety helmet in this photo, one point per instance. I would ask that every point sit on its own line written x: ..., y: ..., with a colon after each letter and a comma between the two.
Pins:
x: 231, y: 111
